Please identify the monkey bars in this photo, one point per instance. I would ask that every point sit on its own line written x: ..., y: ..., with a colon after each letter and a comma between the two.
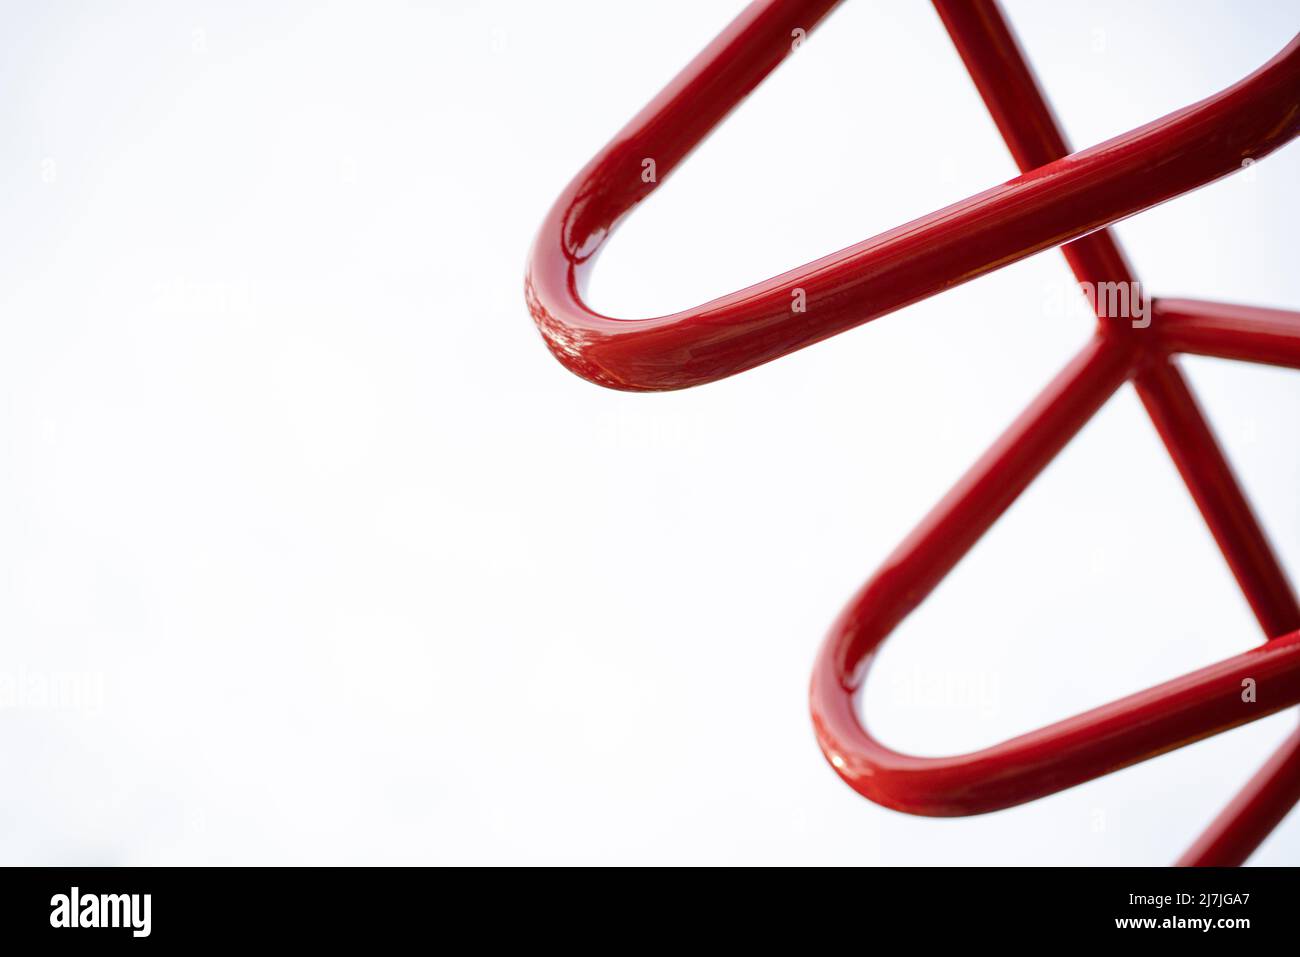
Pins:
x: 1060, y: 199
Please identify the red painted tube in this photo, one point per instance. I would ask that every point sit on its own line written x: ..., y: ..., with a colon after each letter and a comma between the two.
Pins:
x: 968, y: 511
x: 1259, y: 808
x: 1248, y: 333
x: 1216, y: 491
x: 1038, y: 210
x: 1105, y: 739
x: 1060, y: 198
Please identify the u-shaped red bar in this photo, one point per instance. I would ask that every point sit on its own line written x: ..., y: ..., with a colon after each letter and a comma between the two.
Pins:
x: 1045, y: 207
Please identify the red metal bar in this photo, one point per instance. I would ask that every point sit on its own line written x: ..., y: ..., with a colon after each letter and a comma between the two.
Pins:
x: 1059, y: 198
x: 1043, y: 208
x: 1034, y: 765
x: 1253, y: 813
x: 1269, y: 336
x: 974, y: 504
x: 1210, y: 479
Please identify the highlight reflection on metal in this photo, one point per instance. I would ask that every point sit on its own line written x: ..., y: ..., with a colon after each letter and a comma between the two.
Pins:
x: 1060, y: 198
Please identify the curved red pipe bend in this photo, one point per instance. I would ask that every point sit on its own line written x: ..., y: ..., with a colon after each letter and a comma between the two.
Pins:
x: 1042, y: 208
x: 1061, y: 755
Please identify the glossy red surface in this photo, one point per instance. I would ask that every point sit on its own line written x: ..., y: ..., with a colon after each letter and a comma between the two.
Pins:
x: 1060, y: 198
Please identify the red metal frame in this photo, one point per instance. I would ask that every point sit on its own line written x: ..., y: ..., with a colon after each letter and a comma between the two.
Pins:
x: 1060, y: 198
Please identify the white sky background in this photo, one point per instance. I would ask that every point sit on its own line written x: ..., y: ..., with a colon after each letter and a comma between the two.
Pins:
x: 354, y: 572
